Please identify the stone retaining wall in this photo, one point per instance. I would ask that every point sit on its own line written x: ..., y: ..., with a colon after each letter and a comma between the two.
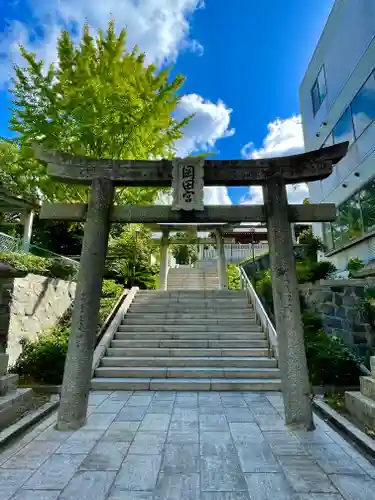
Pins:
x: 336, y: 302
x: 29, y: 306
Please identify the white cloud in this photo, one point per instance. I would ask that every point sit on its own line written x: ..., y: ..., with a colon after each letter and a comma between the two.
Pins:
x: 216, y: 196
x: 159, y: 27
x: 284, y: 138
x: 210, y: 123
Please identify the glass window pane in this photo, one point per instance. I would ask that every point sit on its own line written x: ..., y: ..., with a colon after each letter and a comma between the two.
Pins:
x: 363, y: 106
x: 336, y: 231
x: 367, y: 200
x: 350, y: 219
x: 315, y: 97
x: 343, y: 130
x: 328, y: 141
x: 322, y: 84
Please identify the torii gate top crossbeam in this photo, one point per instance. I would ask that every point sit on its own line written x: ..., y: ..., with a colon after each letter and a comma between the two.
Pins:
x: 305, y: 167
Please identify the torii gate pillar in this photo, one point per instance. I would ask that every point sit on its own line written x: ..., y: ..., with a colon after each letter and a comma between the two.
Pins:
x: 292, y: 357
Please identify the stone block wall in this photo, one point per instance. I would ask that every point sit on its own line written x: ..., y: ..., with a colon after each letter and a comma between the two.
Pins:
x: 336, y: 302
x: 29, y: 306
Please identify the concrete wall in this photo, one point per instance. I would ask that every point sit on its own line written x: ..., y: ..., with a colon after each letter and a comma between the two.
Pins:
x: 31, y: 305
x: 336, y: 302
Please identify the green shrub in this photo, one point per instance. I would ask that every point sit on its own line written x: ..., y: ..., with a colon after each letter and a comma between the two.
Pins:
x: 312, y: 243
x: 43, y: 360
x: 354, y: 264
x: 52, y: 268
x: 309, y: 272
x: 234, y: 282
x: 111, y: 289
x: 132, y: 274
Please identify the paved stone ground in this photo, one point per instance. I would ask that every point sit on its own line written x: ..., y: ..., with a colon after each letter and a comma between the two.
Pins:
x: 184, y: 446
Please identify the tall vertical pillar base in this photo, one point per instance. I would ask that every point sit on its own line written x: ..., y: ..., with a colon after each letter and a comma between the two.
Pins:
x: 221, y: 261
x: 78, y: 366
x: 163, y: 278
x: 292, y: 356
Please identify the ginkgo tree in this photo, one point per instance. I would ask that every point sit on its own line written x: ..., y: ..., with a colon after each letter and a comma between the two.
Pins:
x: 98, y: 100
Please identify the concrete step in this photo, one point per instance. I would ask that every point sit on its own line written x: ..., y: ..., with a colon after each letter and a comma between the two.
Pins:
x: 183, y: 352
x: 197, y: 309
x: 154, y: 320
x: 367, y: 387
x: 213, y: 294
x: 184, y: 384
x: 192, y: 344
x: 189, y: 362
x: 248, y: 327
x: 178, y: 372
x: 182, y: 316
x: 362, y: 407
x: 188, y: 336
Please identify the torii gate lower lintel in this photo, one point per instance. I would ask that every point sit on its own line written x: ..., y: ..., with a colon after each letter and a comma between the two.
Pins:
x: 273, y: 174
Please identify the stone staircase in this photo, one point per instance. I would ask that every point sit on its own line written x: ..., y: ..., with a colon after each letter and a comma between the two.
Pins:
x: 188, y: 340
x: 190, y: 278
x: 361, y: 403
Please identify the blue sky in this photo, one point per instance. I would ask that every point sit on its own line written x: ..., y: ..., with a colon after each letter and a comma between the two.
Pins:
x: 243, y: 59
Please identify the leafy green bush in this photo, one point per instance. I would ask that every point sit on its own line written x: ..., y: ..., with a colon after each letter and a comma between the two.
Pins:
x: 234, y: 282
x: 132, y: 274
x: 309, y: 272
x: 354, y: 264
x: 43, y: 360
x: 312, y: 243
x: 367, y: 305
x: 111, y: 289
x: 52, y: 268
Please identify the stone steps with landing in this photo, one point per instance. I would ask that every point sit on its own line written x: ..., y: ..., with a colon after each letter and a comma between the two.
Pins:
x: 361, y: 403
x: 216, y: 348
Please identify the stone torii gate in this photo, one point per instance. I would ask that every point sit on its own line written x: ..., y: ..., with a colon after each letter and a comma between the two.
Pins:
x: 273, y: 174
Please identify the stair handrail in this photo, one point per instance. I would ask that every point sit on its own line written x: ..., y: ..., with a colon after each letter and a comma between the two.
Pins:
x: 260, y: 313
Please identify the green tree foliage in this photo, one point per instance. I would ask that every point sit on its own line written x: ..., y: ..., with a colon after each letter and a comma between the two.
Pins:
x: 185, y: 252
x: 99, y: 100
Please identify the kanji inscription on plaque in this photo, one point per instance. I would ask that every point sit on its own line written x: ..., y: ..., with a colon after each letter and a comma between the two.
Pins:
x: 187, y: 184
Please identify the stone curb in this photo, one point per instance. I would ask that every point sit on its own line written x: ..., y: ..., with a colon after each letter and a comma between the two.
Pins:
x: 27, y: 421
x: 347, y: 428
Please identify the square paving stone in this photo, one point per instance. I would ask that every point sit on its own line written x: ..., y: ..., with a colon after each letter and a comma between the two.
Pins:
x: 183, y: 425
x: 211, y: 410
x: 180, y: 458
x: 99, y: 421
x: 213, y: 423
x: 119, y: 494
x: 362, y: 461
x: 317, y: 436
x: 55, y: 473
x: 121, y: 431
x: 305, y: 476
x: 32, y: 455
x: 333, y: 460
x: 95, y: 399
x: 80, y: 442
x: 257, y: 457
x: 137, y: 400
x: 270, y: 422
x: 319, y: 496
x: 185, y: 414
x: 11, y: 480
x: 176, y: 436
x: 106, y: 456
x: 177, y: 487
x: 269, y: 487
x: 165, y: 407
x: 131, y: 414
x: 224, y: 495
x: 155, y: 422
x: 284, y: 443
x: 215, y: 479
x: 239, y: 415
x: 216, y: 437
x: 89, y: 485
x: 245, y: 432
x: 354, y: 487
x: 24, y: 494
x: 109, y: 406
x: 164, y: 396
x: 139, y: 472
x: 120, y: 395
x: 148, y: 443
x: 52, y: 434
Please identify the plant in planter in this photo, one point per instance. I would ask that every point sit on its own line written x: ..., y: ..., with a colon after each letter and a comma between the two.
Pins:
x: 355, y: 264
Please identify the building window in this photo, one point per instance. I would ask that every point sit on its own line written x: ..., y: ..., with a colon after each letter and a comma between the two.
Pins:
x: 367, y: 201
x: 319, y: 90
x: 363, y: 106
x: 343, y: 130
x: 350, y: 219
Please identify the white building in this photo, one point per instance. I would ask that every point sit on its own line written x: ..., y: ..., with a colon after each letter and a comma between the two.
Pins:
x: 337, y: 98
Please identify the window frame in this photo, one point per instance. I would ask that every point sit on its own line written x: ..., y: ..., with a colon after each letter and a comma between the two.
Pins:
x: 372, y: 74
x: 317, y: 105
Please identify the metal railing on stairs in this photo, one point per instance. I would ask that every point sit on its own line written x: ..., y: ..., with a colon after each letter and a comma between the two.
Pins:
x: 260, y: 313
